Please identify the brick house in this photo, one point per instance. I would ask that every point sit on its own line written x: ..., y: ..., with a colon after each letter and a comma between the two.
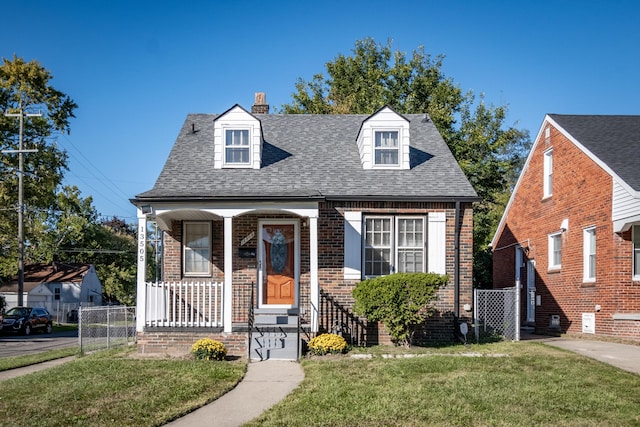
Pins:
x: 270, y: 220
x: 570, y: 235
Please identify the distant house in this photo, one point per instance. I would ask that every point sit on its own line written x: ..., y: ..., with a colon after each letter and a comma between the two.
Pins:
x: 570, y: 235
x: 270, y: 221
x: 55, y: 286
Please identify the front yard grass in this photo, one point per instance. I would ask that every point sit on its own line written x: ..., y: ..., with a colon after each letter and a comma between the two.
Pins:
x: 115, y: 388
x: 499, y: 384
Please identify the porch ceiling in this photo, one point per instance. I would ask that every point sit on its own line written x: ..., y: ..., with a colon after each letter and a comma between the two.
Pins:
x: 164, y: 219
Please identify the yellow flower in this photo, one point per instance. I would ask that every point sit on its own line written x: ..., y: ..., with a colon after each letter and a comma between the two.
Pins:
x: 327, y: 343
x: 208, y: 349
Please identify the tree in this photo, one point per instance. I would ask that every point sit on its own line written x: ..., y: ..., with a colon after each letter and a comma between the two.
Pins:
x: 401, y: 301
x: 25, y: 88
x: 489, y: 152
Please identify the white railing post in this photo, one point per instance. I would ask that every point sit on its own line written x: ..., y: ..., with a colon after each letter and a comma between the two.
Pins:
x: 141, y: 285
x: 227, y: 294
x: 313, y: 273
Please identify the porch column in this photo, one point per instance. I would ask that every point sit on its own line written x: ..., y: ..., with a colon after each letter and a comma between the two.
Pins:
x: 228, y: 273
x: 141, y: 285
x: 313, y: 273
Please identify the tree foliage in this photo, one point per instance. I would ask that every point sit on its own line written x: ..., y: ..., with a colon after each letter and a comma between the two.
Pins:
x: 25, y: 88
x: 489, y: 152
x: 401, y: 301
x: 60, y: 225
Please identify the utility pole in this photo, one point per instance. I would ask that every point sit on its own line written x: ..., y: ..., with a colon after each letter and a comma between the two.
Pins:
x: 21, y: 115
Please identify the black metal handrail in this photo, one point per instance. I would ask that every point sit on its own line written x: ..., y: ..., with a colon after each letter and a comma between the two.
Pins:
x: 338, y: 319
x: 250, y: 321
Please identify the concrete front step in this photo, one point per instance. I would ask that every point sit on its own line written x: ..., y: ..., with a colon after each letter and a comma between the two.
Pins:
x: 274, y: 342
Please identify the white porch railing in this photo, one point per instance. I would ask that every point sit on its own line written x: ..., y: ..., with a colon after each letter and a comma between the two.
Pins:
x: 177, y: 304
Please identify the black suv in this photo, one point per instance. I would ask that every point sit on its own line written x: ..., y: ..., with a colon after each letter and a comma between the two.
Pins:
x: 26, y: 320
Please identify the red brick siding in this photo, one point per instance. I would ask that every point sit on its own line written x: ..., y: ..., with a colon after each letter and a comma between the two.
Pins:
x: 582, y: 192
x: 178, y: 343
x: 330, y: 263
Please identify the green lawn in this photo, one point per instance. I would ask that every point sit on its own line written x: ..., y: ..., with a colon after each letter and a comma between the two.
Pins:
x: 499, y: 384
x: 526, y: 384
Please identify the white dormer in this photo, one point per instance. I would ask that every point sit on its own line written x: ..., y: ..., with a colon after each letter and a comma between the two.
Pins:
x: 237, y: 140
x: 383, y: 141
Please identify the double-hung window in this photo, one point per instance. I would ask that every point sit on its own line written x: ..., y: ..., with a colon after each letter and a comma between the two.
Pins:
x: 386, y: 148
x: 555, y: 251
x: 197, y: 248
x: 548, y: 173
x: 393, y: 244
x: 236, y: 147
x: 636, y: 252
x: 589, y: 254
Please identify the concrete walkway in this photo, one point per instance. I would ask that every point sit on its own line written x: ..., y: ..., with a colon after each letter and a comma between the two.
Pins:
x: 12, y: 373
x: 623, y: 356
x: 265, y: 384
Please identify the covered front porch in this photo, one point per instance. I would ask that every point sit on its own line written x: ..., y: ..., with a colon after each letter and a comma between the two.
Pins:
x: 257, y: 265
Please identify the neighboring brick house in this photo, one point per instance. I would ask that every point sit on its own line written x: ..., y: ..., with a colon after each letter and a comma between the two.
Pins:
x: 570, y: 235
x: 294, y: 210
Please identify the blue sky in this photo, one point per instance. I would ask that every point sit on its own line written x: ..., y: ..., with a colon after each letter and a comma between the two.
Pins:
x: 137, y: 68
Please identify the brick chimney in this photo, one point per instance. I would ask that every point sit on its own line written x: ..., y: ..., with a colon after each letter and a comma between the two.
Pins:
x: 260, y: 105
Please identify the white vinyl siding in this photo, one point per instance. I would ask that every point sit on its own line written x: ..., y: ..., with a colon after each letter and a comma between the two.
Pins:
x: 236, y: 147
x: 548, y: 173
x: 589, y: 254
x: 386, y: 148
x: 555, y: 251
x: 197, y: 248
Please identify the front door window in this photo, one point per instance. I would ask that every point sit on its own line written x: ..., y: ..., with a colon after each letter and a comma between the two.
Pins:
x: 278, y: 261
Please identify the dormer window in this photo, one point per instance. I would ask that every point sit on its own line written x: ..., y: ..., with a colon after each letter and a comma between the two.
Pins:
x: 236, y: 147
x: 237, y: 140
x: 386, y: 148
x: 383, y: 141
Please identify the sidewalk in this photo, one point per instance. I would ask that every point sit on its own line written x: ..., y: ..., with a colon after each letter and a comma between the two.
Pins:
x: 12, y: 373
x: 265, y: 384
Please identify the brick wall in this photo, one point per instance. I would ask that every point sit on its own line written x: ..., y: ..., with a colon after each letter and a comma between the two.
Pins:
x: 177, y: 343
x: 330, y: 264
x: 581, y: 192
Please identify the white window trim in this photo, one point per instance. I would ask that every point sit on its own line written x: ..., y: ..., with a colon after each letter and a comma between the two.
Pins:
x: 184, y: 249
x: 243, y: 165
x: 586, y: 254
x: 551, y: 237
x: 547, y: 190
x: 636, y: 274
x: 394, y: 243
x: 374, y: 131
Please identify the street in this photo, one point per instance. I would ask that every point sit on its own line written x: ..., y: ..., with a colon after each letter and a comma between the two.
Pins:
x: 16, y: 345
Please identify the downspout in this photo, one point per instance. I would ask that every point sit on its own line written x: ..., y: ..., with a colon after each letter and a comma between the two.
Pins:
x: 456, y: 264
x: 456, y: 274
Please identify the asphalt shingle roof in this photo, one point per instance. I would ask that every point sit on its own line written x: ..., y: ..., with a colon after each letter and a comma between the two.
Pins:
x: 615, y: 140
x: 308, y: 156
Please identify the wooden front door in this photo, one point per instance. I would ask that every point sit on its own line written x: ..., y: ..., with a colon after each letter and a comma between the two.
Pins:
x: 278, y: 258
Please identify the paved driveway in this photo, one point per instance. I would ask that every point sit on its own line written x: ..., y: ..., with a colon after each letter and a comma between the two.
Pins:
x: 623, y: 356
x: 17, y: 345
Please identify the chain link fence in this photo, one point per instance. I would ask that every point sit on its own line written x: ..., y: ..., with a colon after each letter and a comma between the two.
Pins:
x: 497, y: 314
x: 101, y: 328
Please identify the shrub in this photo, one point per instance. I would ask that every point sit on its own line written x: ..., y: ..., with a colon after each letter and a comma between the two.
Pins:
x: 401, y: 301
x: 327, y: 344
x: 208, y: 349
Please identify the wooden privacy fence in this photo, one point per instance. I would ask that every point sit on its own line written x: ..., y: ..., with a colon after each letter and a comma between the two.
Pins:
x: 177, y: 304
